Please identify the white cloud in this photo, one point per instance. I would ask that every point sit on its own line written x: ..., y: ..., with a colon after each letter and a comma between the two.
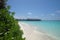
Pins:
x: 36, y: 17
x: 58, y: 11
x: 29, y: 13
x: 52, y: 14
x: 20, y: 17
x: 42, y: 14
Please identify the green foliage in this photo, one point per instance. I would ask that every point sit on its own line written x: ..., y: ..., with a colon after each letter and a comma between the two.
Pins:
x: 8, y: 7
x: 9, y: 28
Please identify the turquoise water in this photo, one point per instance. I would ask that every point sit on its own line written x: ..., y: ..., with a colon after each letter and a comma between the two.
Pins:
x: 51, y: 27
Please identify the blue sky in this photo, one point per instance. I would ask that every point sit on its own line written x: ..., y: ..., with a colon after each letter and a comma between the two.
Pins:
x: 43, y: 9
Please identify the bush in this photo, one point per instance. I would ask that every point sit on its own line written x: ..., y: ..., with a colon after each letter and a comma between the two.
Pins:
x: 9, y: 28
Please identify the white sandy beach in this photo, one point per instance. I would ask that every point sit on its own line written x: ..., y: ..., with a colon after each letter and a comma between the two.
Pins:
x: 32, y: 34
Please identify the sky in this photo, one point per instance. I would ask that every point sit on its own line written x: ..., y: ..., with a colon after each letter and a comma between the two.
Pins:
x: 42, y: 9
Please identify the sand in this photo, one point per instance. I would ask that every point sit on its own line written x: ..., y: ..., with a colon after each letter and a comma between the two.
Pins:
x: 32, y: 34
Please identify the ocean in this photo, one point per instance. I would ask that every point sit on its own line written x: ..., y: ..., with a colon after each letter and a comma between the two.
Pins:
x: 50, y: 27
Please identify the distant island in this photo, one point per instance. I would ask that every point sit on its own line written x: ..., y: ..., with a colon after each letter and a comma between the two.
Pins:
x: 28, y: 19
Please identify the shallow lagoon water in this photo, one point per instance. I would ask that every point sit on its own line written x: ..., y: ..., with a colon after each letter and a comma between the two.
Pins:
x: 50, y: 27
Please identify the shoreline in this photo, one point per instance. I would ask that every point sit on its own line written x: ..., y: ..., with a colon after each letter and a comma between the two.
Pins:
x: 32, y: 34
